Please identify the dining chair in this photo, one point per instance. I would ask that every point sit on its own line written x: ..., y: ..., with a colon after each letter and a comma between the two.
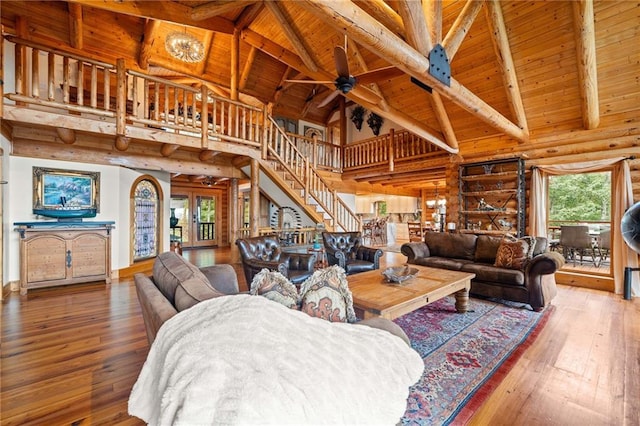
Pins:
x: 604, y: 245
x: 576, y: 241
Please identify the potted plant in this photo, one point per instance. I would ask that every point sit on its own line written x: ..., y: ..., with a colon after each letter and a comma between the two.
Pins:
x: 357, y: 116
x: 375, y: 123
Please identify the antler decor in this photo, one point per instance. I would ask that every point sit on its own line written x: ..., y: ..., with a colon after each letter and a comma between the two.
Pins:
x: 375, y: 123
x: 357, y: 116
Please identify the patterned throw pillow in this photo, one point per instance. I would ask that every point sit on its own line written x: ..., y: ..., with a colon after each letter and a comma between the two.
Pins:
x: 532, y: 246
x: 326, y: 295
x: 512, y: 253
x: 275, y: 286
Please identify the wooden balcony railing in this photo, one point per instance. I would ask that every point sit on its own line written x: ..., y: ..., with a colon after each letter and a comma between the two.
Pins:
x: 82, y: 85
x: 390, y: 149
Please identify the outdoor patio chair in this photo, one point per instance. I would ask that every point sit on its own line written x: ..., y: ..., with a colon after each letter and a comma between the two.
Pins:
x: 604, y: 245
x: 576, y: 241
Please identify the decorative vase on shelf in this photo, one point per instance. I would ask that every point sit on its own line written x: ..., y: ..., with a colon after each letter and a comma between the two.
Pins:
x: 173, y: 220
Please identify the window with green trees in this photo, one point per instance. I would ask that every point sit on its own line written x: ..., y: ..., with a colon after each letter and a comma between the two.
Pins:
x: 580, y: 197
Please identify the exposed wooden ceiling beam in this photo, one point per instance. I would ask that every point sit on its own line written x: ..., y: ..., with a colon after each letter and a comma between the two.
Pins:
x: 419, y: 36
x: 433, y: 14
x: 587, y: 67
x: 347, y: 17
x: 150, y: 28
x: 374, y: 86
x: 383, y: 13
x: 75, y: 25
x: 292, y: 34
x: 168, y: 148
x: 235, y: 64
x: 248, y: 15
x: 495, y: 21
x: 460, y: 27
x: 246, y: 70
x: 282, y: 86
x: 170, y: 12
x: 217, y: 8
x: 289, y: 58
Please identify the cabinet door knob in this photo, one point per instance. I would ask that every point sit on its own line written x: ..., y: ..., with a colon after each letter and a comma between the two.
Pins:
x: 68, y: 258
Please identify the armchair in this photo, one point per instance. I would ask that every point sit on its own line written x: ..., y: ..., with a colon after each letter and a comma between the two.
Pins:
x: 345, y: 249
x: 265, y: 252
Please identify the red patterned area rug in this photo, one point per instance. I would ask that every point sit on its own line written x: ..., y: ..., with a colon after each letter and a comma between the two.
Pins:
x: 465, y: 355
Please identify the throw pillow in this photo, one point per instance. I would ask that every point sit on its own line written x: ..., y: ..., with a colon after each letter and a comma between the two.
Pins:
x: 170, y: 269
x: 512, y: 253
x: 532, y: 246
x: 194, y: 290
x: 275, y: 286
x: 326, y: 295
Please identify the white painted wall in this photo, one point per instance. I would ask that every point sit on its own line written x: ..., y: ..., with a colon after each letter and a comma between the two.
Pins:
x: 115, y: 189
x: 353, y: 135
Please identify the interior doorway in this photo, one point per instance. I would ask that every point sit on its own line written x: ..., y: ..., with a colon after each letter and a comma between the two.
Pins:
x: 197, y: 218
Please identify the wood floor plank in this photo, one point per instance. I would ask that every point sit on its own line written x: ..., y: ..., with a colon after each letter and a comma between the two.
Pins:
x: 70, y: 355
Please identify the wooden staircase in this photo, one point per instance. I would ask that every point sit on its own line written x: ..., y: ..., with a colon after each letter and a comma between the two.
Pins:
x: 295, y: 175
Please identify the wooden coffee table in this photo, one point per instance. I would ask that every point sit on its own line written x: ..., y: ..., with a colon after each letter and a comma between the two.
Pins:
x: 374, y: 297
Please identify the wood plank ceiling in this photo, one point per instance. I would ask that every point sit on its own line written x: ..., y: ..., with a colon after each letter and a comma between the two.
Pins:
x: 518, y: 69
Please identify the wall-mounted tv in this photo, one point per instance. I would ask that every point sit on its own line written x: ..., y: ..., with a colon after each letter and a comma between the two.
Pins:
x: 65, y: 194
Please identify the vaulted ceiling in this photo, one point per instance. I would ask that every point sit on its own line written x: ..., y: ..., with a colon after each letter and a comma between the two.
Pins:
x: 519, y: 69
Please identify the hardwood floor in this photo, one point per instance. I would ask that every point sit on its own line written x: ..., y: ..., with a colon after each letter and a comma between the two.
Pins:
x: 70, y: 355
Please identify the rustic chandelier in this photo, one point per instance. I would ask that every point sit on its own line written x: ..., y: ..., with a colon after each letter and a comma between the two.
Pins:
x: 184, y: 47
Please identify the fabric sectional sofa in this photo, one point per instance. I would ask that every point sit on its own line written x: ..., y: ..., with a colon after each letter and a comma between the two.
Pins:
x: 520, y: 270
x: 176, y: 285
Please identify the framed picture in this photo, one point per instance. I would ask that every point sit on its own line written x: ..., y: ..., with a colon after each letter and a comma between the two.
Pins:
x: 65, y: 193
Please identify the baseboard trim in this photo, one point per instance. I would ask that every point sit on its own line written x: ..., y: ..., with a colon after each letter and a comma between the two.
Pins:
x: 594, y: 282
x: 144, y: 266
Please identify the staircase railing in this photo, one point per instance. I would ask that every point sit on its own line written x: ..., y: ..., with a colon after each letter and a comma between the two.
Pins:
x: 280, y: 147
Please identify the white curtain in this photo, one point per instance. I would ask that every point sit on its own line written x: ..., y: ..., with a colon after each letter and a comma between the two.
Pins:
x: 621, y: 200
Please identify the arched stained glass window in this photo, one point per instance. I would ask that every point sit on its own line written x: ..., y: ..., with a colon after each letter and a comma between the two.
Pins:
x: 146, y: 214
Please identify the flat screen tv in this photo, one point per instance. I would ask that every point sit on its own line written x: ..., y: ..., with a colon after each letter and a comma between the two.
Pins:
x: 65, y: 194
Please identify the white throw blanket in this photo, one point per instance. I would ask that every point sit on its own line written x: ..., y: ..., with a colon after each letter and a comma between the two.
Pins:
x: 247, y: 360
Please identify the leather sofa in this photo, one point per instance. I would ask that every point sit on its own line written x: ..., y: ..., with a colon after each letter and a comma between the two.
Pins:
x: 259, y: 253
x: 176, y: 284
x: 345, y: 249
x: 534, y: 283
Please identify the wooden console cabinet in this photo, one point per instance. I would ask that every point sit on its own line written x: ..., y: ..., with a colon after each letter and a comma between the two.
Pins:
x: 60, y: 254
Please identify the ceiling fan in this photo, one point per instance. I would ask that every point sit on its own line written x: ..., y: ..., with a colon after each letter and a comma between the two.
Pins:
x: 345, y: 82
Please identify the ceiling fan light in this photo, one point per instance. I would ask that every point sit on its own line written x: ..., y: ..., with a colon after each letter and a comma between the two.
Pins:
x: 184, y: 47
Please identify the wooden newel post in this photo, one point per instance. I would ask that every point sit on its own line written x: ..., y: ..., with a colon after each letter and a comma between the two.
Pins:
x: 391, y: 150
x: 121, y: 99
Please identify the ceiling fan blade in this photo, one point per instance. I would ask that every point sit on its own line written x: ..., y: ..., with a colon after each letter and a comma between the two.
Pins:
x: 366, y: 94
x: 328, y: 99
x: 378, y: 75
x: 342, y: 64
x: 309, y: 81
